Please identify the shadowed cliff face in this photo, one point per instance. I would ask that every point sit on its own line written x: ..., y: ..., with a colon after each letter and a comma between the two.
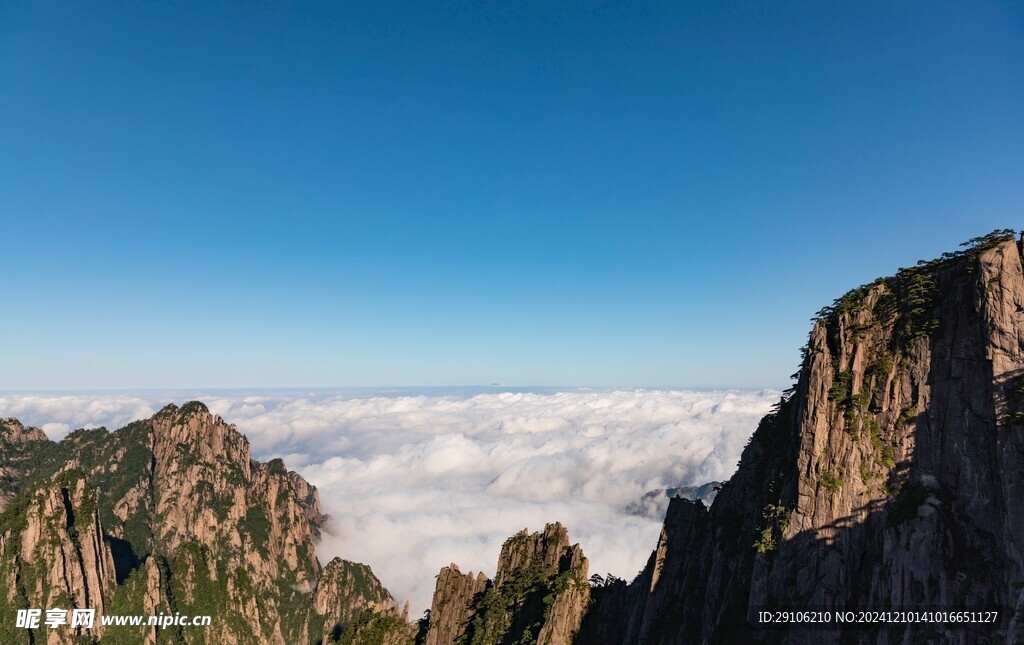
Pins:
x: 52, y: 549
x: 892, y: 477
x: 172, y: 515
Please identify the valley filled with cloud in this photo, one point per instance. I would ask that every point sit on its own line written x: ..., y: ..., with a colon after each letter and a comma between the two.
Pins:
x: 414, y: 480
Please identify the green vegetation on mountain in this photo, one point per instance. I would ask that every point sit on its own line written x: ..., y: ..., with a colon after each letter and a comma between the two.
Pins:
x: 170, y: 515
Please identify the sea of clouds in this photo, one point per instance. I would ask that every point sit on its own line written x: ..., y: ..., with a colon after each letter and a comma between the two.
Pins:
x: 416, y: 480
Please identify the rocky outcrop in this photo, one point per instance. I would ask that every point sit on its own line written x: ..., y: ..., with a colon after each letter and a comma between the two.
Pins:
x: 19, y: 444
x: 889, y: 477
x: 53, y: 553
x: 344, y: 590
x: 13, y: 433
x: 309, y: 500
x: 453, y: 606
x: 539, y: 594
x: 171, y: 515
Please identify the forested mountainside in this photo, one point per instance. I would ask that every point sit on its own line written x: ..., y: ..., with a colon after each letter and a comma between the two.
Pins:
x: 171, y: 515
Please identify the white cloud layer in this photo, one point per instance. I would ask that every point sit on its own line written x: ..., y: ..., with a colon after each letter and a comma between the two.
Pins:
x: 415, y: 481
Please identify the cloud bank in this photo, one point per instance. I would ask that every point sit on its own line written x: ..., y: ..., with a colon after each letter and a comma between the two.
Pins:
x: 413, y: 481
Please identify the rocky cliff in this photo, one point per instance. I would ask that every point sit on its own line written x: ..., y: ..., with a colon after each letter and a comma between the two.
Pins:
x: 891, y: 476
x: 171, y: 515
x: 539, y: 595
x: 454, y: 604
x: 348, y: 595
x: 18, y: 443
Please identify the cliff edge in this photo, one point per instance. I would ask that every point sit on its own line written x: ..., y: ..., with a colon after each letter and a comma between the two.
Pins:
x: 171, y: 515
x: 890, y: 477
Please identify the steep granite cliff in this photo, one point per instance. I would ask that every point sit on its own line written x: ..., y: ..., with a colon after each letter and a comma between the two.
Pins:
x: 171, y: 515
x: 18, y: 443
x: 454, y: 604
x: 348, y: 595
x: 891, y: 476
x: 539, y: 595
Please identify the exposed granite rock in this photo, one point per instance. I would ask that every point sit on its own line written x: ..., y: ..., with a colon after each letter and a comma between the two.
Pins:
x: 18, y: 446
x: 171, y: 515
x: 539, y: 594
x: 892, y: 477
x: 309, y: 501
x: 453, y: 606
x: 52, y: 552
x: 13, y: 433
x: 344, y: 590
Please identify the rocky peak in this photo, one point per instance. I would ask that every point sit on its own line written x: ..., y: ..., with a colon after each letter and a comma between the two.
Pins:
x: 539, y: 594
x: 347, y: 590
x: 193, y: 435
x: 887, y: 478
x: 171, y: 515
x: 453, y: 606
x: 309, y: 499
x: 544, y: 551
x: 52, y: 551
x: 13, y: 432
x: 17, y: 444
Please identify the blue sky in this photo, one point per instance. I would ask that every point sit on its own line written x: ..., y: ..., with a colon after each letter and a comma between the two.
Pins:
x: 284, y: 194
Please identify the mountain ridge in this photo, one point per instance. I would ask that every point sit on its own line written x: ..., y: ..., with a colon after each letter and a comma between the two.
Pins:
x: 176, y: 518
x: 890, y: 476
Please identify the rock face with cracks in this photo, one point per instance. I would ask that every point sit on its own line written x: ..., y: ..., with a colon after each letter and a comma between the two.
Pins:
x: 170, y: 515
x: 891, y: 476
x: 539, y: 594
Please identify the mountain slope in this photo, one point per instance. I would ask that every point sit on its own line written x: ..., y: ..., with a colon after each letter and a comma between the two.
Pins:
x: 169, y: 515
x: 892, y: 477
x: 539, y: 595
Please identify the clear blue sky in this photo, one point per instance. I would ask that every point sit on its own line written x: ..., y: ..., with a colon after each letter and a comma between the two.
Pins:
x: 278, y: 194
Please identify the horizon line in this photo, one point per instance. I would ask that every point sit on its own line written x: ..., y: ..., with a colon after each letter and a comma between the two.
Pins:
x: 327, y: 388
